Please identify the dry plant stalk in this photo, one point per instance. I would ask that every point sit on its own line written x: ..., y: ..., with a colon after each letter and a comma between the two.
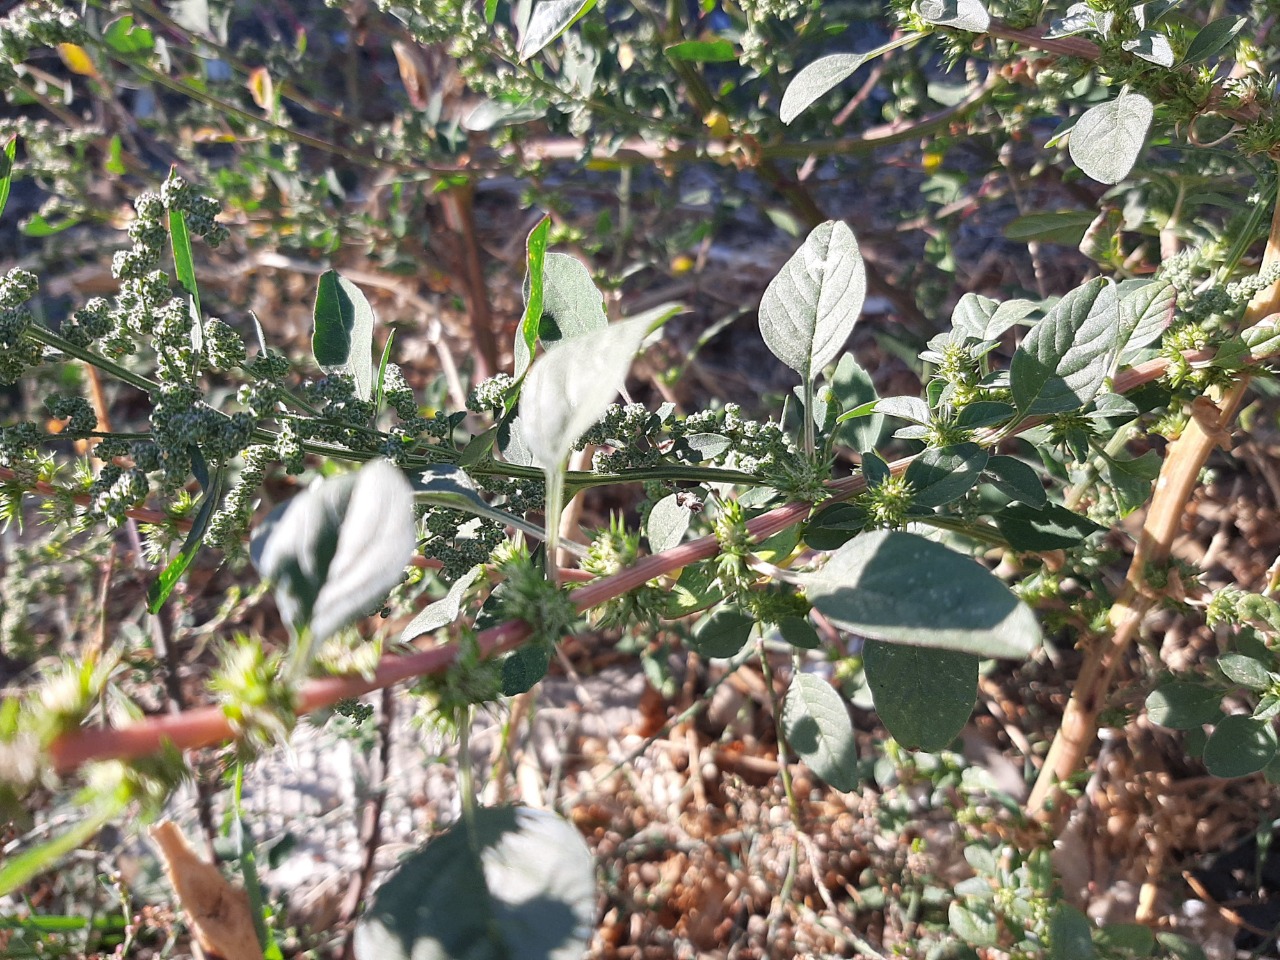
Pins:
x: 1209, y: 427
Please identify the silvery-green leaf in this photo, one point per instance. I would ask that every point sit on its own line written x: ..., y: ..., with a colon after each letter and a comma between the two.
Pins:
x: 818, y: 728
x: 442, y: 485
x: 962, y: 14
x: 1152, y: 46
x: 343, y: 335
x: 571, y: 302
x: 1213, y: 37
x: 1146, y: 312
x: 904, y: 408
x: 667, y: 523
x: 335, y: 550
x: 506, y: 883
x: 810, y: 307
x: 1107, y: 139
x: 550, y: 19
x: 815, y: 80
x: 570, y: 386
x: 903, y: 588
x: 1081, y: 18
x: 442, y: 612
x: 1066, y: 357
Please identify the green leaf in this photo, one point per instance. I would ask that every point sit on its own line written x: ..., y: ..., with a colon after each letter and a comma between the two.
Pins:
x: 904, y: 408
x: 1070, y: 934
x: 530, y: 322
x: 524, y: 667
x: 696, y: 590
x: 817, y: 725
x: 163, y: 585
x: 1066, y: 357
x: 722, y: 634
x: 571, y: 303
x: 7, y: 156
x: 816, y: 79
x: 799, y: 632
x: 125, y: 37
x: 550, y: 19
x: 968, y: 15
x: 1213, y: 38
x: 809, y: 309
x: 1239, y: 746
x: 1152, y: 46
x: 1180, y: 947
x: 502, y: 884
x: 942, y: 474
x: 667, y: 523
x: 1107, y: 139
x: 1066, y: 227
x: 899, y: 587
x: 571, y: 385
x: 335, y: 550
x: 718, y: 50
x: 852, y: 387
x: 981, y: 318
x: 343, y: 335
x: 974, y: 923
x: 441, y: 485
x: 834, y: 525
x: 1245, y: 671
x: 1137, y: 939
x: 1131, y: 479
x: 442, y: 612
x: 183, y: 262
x: 923, y: 696
x: 1145, y: 313
x: 490, y: 11
x: 1016, y: 479
x: 19, y: 870
x: 1051, y: 527
x: 1181, y: 705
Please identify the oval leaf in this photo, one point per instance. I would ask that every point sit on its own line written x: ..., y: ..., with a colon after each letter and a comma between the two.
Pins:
x: 1066, y: 357
x: 818, y: 728
x: 810, y: 307
x: 815, y: 80
x: 923, y: 696
x: 1213, y: 37
x: 942, y: 474
x: 961, y: 14
x: 504, y: 884
x: 899, y: 587
x: 1107, y: 139
x: 722, y: 634
x: 570, y: 386
x: 343, y: 335
x: 667, y: 523
x: 571, y: 303
x: 336, y: 550
x: 1239, y: 746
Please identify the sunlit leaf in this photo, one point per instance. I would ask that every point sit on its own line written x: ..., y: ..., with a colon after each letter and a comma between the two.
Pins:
x: 1107, y: 139
x: 815, y: 80
x: 818, y: 728
x: 550, y: 19
x: 343, y: 334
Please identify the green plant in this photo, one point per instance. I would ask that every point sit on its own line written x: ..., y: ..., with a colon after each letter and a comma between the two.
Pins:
x: 1025, y: 444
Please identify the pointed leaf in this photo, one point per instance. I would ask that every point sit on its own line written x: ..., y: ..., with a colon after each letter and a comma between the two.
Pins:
x: 1131, y: 479
x: 1107, y: 139
x: 343, y: 335
x: 442, y: 612
x: 722, y: 634
x: 903, y: 588
x: 7, y: 156
x: 1066, y: 357
x: 571, y: 385
x: 818, y: 728
x: 336, y: 550
x: 1146, y: 313
x: 502, y: 884
x: 1016, y: 479
x: 183, y: 260
x: 527, y: 331
x: 571, y: 303
x: 550, y: 19
x: 1213, y: 37
x: 811, y: 306
x: 923, y: 696
x: 163, y: 585
x: 815, y: 80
